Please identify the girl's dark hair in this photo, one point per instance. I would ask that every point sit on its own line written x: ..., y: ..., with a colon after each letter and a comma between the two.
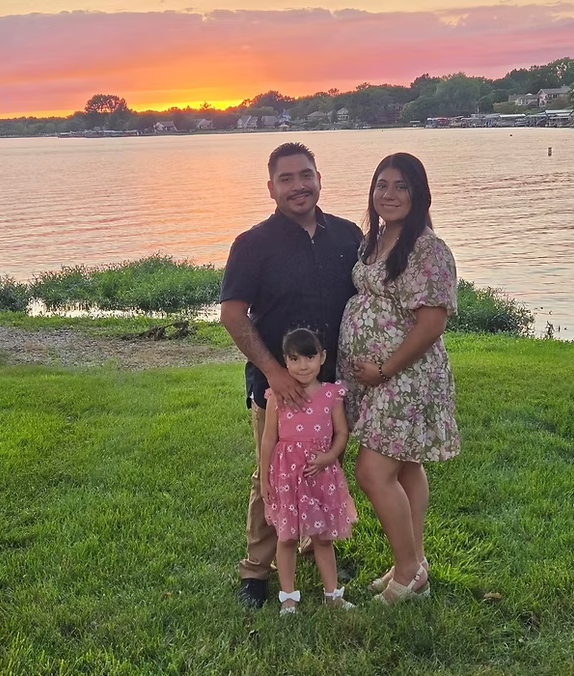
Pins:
x: 302, y: 342
x: 415, y: 176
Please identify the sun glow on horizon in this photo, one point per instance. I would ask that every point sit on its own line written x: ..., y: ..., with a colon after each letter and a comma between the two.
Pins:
x: 36, y: 113
x: 138, y: 108
x: 196, y: 105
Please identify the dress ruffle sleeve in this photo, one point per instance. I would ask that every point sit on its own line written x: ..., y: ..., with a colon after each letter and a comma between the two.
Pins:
x: 431, y: 273
x: 339, y: 390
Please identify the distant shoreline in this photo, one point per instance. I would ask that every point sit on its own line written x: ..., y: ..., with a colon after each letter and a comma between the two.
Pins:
x: 219, y: 132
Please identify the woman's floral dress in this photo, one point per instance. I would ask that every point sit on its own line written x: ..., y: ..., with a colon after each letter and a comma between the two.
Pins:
x: 411, y: 417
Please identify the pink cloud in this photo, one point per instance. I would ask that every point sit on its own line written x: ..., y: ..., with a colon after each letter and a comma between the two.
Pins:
x: 55, y: 62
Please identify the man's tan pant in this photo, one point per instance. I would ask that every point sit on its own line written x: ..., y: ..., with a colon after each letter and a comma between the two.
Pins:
x: 261, y: 538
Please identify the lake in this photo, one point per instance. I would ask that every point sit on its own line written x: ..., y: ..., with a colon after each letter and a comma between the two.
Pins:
x: 502, y: 204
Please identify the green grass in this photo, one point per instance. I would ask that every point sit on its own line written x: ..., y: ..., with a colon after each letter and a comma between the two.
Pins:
x: 123, y: 500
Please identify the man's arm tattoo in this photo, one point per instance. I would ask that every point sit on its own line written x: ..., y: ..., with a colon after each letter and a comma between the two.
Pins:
x: 249, y: 342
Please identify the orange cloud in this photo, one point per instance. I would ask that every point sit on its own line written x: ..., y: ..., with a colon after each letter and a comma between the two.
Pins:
x: 55, y: 62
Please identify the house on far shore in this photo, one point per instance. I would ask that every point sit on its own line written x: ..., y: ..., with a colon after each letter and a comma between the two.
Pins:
x: 164, y: 127
x: 523, y: 99
x: 247, y: 122
x: 343, y: 115
x: 204, y: 125
x: 317, y: 116
x: 545, y: 96
x: 269, y: 121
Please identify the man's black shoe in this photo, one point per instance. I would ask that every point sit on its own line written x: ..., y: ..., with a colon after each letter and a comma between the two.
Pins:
x: 253, y: 592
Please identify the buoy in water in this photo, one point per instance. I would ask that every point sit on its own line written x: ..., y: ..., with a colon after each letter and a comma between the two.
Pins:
x: 549, y: 152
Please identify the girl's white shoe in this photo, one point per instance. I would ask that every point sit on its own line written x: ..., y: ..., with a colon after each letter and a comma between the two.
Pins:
x: 336, y: 599
x: 289, y: 596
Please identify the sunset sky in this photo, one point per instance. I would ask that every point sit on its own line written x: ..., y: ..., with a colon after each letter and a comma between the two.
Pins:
x: 55, y: 54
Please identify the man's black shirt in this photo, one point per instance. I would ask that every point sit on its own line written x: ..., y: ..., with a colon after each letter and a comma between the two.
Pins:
x: 290, y: 279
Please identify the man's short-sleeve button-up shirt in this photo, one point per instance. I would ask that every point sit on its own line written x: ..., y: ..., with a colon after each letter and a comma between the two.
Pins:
x: 290, y: 279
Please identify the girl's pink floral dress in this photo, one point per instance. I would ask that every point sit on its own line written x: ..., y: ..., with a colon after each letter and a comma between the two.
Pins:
x: 300, y: 506
x: 411, y: 417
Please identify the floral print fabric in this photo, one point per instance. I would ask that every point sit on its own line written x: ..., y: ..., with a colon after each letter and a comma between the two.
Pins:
x: 300, y: 506
x: 411, y: 417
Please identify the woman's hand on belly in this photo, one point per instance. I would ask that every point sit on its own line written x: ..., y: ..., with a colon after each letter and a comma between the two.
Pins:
x: 367, y: 373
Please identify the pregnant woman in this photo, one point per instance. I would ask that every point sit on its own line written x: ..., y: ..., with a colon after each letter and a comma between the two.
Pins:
x: 400, y: 403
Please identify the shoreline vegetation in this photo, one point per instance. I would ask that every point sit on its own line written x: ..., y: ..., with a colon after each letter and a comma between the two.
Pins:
x: 124, y: 478
x: 161, y: 286
x: 536, y: 96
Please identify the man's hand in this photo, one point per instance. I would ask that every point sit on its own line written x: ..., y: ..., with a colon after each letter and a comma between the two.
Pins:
x: 318, y: 463
x: 286, y: 389
x: 367, y: 373
x: 235, y: 318
x: 265, y: 490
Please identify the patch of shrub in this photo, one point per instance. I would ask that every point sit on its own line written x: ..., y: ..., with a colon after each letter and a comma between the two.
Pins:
x: 160, y: 284
x: 13, y: 295
x: 488, y: 310
x: 153, y: 284
x: 69, y: 286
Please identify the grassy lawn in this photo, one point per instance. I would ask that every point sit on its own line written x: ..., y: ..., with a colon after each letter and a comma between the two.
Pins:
x: 122, y: 513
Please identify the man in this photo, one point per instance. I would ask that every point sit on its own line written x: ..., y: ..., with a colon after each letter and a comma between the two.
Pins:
x: 293, y: 269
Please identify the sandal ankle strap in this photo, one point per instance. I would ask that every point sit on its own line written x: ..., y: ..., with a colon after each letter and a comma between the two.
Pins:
x: 290, y: 596
x: 416, y: 578
x: 337, y: 594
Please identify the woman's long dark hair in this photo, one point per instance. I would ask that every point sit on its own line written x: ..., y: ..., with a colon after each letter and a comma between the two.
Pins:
x: 415, y: 176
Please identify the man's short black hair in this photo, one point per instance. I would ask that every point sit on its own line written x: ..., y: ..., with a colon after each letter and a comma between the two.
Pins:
x: 285, y: 150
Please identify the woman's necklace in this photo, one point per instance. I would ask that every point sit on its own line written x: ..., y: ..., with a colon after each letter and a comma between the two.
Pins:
x: 383, y: 252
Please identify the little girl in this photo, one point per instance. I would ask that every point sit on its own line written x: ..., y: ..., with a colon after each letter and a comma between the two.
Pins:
x: 302, y: 483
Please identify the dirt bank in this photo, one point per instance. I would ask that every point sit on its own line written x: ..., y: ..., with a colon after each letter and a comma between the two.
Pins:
x: 70, y: 348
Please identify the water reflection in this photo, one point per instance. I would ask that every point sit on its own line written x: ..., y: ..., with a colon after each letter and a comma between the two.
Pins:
x: 504, y: 207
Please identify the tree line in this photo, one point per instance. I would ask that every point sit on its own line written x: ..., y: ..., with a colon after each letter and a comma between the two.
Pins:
x: 368, y: 104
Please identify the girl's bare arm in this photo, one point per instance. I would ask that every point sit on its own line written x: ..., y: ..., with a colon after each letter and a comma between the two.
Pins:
x: 338, y: 445
x: 268, y: 441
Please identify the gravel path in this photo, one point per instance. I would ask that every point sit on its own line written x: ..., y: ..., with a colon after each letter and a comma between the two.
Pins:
x: 66, y: 347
